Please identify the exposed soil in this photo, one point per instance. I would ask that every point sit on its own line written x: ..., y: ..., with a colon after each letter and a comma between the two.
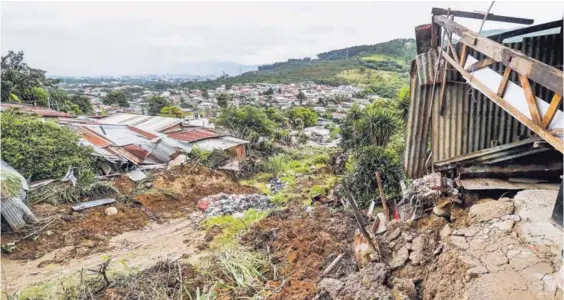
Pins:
x: 178, y: 189
x: 173, y: 194
x: 302, y: 245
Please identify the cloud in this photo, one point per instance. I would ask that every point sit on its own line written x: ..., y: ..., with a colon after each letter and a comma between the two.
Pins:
x: 119, y: 38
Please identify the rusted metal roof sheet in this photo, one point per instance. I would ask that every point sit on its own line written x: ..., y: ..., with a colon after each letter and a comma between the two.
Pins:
x: 42, y: 111
x: 192, y: 135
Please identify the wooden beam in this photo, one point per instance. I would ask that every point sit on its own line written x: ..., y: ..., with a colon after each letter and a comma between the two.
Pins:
x: 535, y: 70
x: 443, y: 84
x: 536, y: 128
x: 557, y: 131
x: 382, y: 197
x: 521, y: 31
x: 552, y: 109
x: 480, y: 64
x: 478, y: 15
x: 463, y: 54
x: 504, y: 81
x: 531, y: 99
x: 452, y: 50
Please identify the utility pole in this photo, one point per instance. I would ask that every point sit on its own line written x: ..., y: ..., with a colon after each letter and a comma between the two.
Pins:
x: 347, y: 57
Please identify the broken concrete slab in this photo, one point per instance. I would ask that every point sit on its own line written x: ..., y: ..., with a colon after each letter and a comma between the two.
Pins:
x: 490, y: 209
x: 400, y: 258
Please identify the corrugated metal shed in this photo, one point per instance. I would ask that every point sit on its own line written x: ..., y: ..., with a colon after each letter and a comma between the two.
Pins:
x: 192, y: 135
x: 148, y: 123
x: 470, y: 121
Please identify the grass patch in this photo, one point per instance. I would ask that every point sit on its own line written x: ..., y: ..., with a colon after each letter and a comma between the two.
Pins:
x: 232, y: 226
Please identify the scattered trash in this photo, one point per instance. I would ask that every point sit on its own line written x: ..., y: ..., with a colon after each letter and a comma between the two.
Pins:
x: 222, y: 203
x: 110, y: 211
x: 179, y: 160
x: 275, y: 185
x: 90, y: 204
x: 136, y: 175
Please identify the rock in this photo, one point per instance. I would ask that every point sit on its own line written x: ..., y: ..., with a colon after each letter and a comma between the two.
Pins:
x: 460, y: 242
x: 488, y: 210
x: 514, y: 218
x: 110, y: 211
x: 49, y: 233
x: 400, y: 258
x: 361, y: 249
x: 458, y: 233
x: 393, y: 235
x: 438, y: 250
x: 441, y: 212
x: 503, y: 225
x: 408, y: 246
x: 445, y: 232
x: 407, y: 236
x: 419, y: 243
x: 331, y: 286
x: 473, y: 272
x: 404, y: 287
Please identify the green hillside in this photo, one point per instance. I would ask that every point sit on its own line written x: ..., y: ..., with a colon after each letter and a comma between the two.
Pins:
x: 382, y: 68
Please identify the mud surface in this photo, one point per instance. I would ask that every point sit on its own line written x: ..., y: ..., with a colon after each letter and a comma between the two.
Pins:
x: 302, y: 245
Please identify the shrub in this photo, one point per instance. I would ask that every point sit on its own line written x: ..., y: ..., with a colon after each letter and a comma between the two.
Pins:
x: 360, y: 179
x: 40, y: 150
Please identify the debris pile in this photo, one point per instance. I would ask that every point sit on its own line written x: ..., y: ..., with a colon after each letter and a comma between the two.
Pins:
x: 368, y: 283
x: 275, y: 185
x: 424, y: 193
x: 221, y: 204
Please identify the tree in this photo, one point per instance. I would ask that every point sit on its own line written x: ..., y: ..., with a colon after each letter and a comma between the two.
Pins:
x: 171, y: 112
x: 247, y: 122
x: 373, y: 125
x: 206, y: 94
x: 270, y: 91
x: 18, y: 80
x: 223, y: 99
x: 40, y: 96
x: 156, y: 104
x: 301, y: 97
x: 40, y: 150
x: 116, y: 98
x: 306, y: 115
x: 277, y: 116
x: 360, y: 179
x: 83, y: 103
x: 58, y: 98
x: 403, y: 100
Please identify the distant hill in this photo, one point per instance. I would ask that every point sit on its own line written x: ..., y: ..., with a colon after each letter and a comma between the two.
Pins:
x: 382, y: 68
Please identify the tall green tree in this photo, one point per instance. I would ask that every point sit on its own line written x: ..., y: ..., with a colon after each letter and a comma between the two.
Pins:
x: 171, y: 112
x: 307, y: 116
x: 18, y: 80
x: 373, y: 125
x: 403, y: 100
x: 83, y: 103
x: 156, y: 104
x: 301, y: 97
x: 118, y: 97
x: 223, y: 99
x: 247, y: 122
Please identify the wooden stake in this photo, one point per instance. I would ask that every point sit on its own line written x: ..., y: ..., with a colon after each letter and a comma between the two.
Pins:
x: 360, y: 223
x: 551, y: 112
x: 383, y: 197
x: 463, y: 54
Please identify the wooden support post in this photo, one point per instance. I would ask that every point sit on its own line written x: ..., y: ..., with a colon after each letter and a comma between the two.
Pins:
x: 536, y: 128
x: 480, y: 64
x: 504, y: 81
x: 383, y: 197
x: 480, y: 16
x: 463, y: 54
x: 443, y: 84
x: 552, y: 109
x: 531, y: 99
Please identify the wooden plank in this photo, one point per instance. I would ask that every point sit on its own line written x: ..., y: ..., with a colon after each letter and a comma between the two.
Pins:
x: 463, y: 54
x: 536, y: 128
x: 480, y: 64
x: 504, y: 81
x: 531, y: 99
x: 552, y: 109
x: 535, y: 70
x: 452, y: 50
x: 443, y: 85
x: 480, y: 16
x: 382, y: 197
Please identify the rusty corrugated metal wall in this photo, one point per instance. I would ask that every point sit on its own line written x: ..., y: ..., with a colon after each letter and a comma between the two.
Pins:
x: 470, y: 121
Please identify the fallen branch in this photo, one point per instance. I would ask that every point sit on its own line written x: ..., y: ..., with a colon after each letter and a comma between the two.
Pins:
x: 333, y: 264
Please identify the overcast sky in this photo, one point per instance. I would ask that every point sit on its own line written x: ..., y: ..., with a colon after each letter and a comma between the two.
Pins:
x: 131, y: 38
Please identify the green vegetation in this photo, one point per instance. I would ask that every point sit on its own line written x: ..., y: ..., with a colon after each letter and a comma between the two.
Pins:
x: 40, y: 150
x: 119, y: 98
x: 231, y: 226
x: 306, y: 115
x: 171, y: 112
x: 156, y: 104
x: 10, y: 184
x: 223, y: 99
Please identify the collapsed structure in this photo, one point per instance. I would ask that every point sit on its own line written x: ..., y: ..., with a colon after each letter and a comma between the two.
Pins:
x: 489, y: 107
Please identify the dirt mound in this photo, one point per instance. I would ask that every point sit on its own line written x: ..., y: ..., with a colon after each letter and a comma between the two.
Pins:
x: 302, y: 245
x: 89, y: 229
x: 179, y: 188
x: 123, y: 184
